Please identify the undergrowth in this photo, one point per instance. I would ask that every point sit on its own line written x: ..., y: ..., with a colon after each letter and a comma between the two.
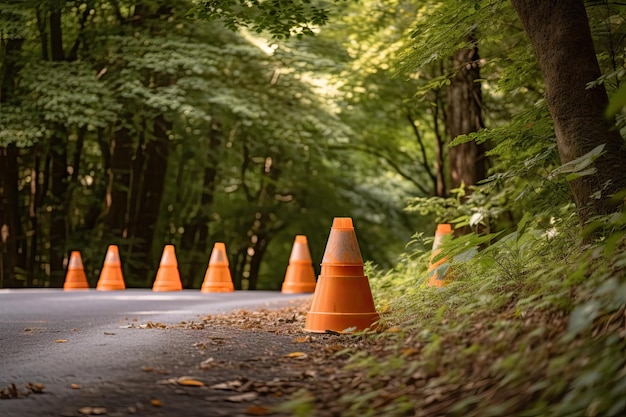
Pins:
x: 532, y: 324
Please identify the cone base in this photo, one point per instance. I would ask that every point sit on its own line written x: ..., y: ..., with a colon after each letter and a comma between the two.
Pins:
x: 217, y: 289
x: 166, y: 289
x: 338, y: 322
x: 167, y: 279
x: 111, y: 279
x: 75, y: 288
x: 298, y: 288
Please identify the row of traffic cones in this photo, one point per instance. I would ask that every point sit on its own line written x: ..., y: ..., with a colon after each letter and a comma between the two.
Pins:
x: 342, y: 297
x: 217, y: 277
x: 300, y: 276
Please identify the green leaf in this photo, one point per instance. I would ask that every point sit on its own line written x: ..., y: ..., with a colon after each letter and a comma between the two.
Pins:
x: 616, y: 102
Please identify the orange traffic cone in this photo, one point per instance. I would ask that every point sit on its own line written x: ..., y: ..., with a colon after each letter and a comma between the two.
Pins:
x: 168, y: 277
x: 111, y: 277
x: 75, y: 279
x: 343, y: 298
x: 300, y: 275
x: 437, y: 270
x: 217, y: 277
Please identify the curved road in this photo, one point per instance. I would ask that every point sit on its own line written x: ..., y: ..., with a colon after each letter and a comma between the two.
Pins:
x: 59, y: 338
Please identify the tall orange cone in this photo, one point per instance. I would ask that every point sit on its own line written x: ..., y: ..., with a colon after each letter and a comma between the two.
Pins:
x: 343, y: 298
x: 437, y: 269
x: 300, y: 275
x: 168, y: 277
x: 75, y: 279
x: 111, y: 277
x: 217, y: 277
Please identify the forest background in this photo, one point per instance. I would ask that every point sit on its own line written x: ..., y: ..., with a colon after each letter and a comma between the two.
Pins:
x: 147, y: 123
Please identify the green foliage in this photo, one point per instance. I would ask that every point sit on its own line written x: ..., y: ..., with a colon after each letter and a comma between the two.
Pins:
x: 69, y: 94
x: 19, y: 127
x: 282, y: 19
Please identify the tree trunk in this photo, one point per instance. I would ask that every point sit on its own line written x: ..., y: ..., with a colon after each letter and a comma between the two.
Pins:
x: 150, y: 170
x: 258, y: 252
x: 58, y: 153
x: 119, y: 181
x: 10, y: 225
x: 12, y: 240
x: 196, y: 235
x: 467, y: 160
x: 35, y: 199
x: 439, y: 166
x: 561, y: 39
x: 58, y: 224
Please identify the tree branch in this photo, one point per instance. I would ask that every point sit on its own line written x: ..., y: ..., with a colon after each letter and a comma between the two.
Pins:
x: 387, y: 159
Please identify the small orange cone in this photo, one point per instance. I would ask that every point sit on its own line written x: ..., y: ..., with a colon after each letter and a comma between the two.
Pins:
x: 217, y: 277
x: 111, y: 277
x: 300, y: 275
x: 75, y: 279
x: 168, y: 277
x: 343, y: 298
x: 440, y: 266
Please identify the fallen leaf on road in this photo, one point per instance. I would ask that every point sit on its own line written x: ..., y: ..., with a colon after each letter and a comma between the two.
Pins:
x: 36, y: 388
x: 208, y: 363
x: 298, y: 355
x: 248, y: 396
x: 10, y: 392
x: 108, y: 334
x: 227, y: 385
x: 156, y: 403
x: 189, y: 382
x: 257, y: 410
x: 92, y: 411
x: 302, y: 339
x: 60, y: 341
x: 74, y: 386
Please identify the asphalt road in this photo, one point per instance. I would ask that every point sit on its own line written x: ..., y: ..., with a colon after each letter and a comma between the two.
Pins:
x: 90, y: 338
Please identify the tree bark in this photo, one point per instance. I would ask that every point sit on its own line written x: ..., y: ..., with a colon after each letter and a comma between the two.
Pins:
x: 58, y: 173
x: 150, y: 169
x: 119, y: 179
x: 58, y: 189
x: 196, y: 235
x: 10, y: 226
x: 467, y: 160
x: 12, y: 241
x: 561, y: 39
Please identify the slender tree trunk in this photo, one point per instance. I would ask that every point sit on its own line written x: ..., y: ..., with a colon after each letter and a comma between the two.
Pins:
x: 196, y: 235
x: 238, y: 268
x: 119, y: 180
x: 259, y: 248
x: 58, y: 153
x: 58, y: 225
x: 34, y: 202
x: 561, y: 39
x: 11, y: 236
x: 467, y: 160
x: 439, y: 167
x: 149, y: 195
x: 9, y: 216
